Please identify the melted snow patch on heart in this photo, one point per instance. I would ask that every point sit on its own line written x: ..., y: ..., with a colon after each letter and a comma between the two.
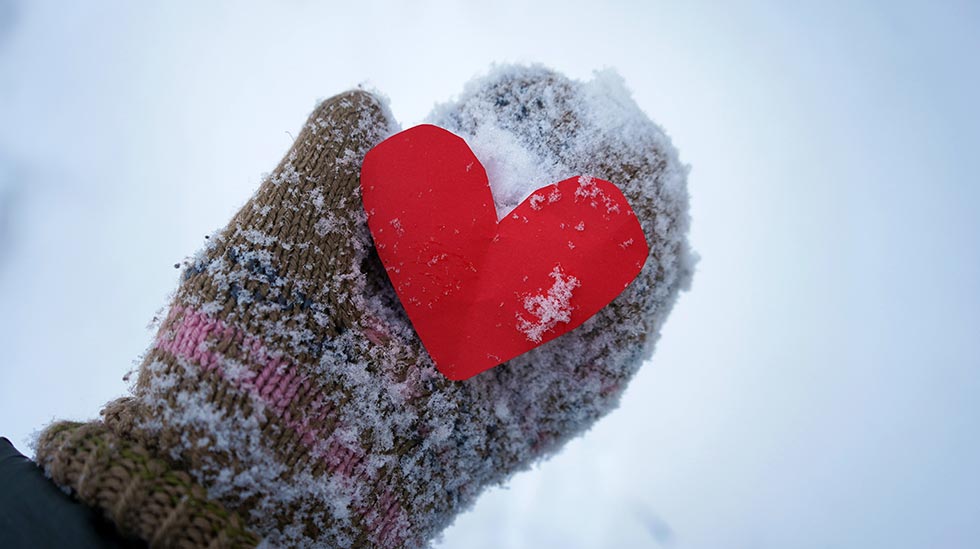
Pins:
x: 480, y: 292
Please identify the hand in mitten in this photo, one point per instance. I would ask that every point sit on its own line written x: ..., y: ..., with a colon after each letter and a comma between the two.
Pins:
x: 286, y: 397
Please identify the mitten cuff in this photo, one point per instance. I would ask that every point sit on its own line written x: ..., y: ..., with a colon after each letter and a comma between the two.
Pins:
x: 145, y: 496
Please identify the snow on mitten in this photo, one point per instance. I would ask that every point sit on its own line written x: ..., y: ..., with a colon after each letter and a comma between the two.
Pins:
x: 286, y: 398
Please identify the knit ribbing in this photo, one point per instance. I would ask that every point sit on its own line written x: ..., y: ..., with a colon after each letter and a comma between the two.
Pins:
x: 143, y: 495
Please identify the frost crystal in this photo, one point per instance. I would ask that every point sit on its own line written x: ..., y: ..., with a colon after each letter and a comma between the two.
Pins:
x: 550, y: 308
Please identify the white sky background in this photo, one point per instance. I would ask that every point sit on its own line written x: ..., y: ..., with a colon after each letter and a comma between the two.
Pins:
x: 818, y: 387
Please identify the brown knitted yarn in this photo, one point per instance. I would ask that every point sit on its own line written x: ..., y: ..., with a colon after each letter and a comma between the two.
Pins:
x: 287, y: 384
x: 269, y: 272
x: 143, y: 495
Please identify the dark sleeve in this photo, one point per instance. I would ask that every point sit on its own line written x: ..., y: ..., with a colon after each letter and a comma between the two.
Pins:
x: 35, y: 513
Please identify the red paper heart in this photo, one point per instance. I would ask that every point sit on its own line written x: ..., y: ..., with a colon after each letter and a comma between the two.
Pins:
x: 481, y: 292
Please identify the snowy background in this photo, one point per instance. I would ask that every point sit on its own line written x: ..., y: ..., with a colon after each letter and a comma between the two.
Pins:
x: 819, y: 385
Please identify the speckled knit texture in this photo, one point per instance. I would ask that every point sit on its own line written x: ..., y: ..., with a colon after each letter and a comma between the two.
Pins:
x: 286, y: 387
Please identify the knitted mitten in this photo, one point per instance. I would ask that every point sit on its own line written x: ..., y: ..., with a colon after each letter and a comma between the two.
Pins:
x: 286, y: 398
